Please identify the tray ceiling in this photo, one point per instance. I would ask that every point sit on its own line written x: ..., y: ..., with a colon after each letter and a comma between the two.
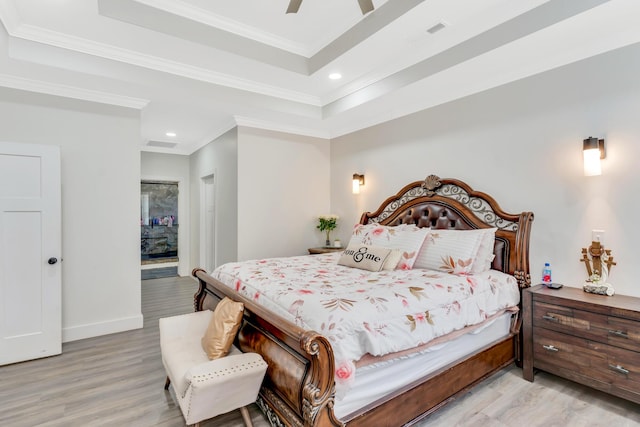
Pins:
x: 201, y: 67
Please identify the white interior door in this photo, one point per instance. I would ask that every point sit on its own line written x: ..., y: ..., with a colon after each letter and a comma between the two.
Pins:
x: 30, y: 251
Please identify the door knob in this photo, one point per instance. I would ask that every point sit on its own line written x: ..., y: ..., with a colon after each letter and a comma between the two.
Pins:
x: 52, y: 260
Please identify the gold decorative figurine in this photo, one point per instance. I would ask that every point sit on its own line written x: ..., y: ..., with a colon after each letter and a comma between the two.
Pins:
x: 598, y: 262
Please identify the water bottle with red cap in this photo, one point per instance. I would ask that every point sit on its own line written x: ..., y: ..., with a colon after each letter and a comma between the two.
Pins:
x: 546, y: 273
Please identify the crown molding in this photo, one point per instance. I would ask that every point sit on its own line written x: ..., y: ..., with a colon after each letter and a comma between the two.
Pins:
x: 66, y: 91
x: 321, y: 52
x: 215, y: 133
x: 188, y: 149
x: 280, y: 127
x: 15, y: 28
x: 188, y: 11
x: 78, y: 44
x: 179, y: 151
x: 9, y: 16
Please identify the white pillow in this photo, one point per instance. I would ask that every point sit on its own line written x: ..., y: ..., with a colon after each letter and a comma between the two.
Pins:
x: 364, y: 257
x: 485, y: 255
x: 408, y: 238
x: 452, y: 251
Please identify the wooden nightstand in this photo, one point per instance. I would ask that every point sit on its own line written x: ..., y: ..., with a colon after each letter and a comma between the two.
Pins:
x: 590, y: 339
x: 324, y: 250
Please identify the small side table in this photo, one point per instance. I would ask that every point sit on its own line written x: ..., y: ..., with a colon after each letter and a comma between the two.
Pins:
x: 587, y: 338
x: 324, y: 250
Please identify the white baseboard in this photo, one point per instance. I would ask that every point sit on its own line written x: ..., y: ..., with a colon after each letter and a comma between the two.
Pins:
x: 91, y: 330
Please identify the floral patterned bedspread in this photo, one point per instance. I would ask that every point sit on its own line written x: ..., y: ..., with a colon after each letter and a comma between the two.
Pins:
x: 364, y: 312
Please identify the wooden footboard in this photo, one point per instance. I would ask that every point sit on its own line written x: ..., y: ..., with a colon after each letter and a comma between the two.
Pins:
x: 299, y: 386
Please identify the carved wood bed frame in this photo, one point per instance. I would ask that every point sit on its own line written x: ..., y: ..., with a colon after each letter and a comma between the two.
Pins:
x: 299, y: 386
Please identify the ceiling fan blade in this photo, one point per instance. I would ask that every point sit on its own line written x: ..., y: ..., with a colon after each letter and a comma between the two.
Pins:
x: 366, y: 6
x: 294, y: 5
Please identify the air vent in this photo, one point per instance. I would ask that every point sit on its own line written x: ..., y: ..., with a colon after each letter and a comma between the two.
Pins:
x: 437, y: 27
x: 162, y: 144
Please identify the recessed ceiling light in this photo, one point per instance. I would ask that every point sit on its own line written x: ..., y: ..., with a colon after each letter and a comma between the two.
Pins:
x: 171, y: 134
x: 335, y: 76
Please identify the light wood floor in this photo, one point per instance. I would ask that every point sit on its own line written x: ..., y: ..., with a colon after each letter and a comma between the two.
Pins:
x: 117, y: 380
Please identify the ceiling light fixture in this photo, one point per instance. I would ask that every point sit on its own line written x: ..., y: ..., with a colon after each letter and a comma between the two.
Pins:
x: 335, y: 76
x: 170, y: 134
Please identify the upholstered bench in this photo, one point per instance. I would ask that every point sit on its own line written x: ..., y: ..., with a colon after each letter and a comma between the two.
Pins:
x: 205, y: 388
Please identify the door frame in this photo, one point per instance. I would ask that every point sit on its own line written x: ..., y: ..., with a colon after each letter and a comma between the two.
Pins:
x: 203, y: 216
x: 183, y: 218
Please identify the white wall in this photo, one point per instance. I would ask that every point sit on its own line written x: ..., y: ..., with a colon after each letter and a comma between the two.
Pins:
x: 521, y: 143
x: 282, y: 188
x: 218, y: 158
x: 100, y: 165
x: 174, y: 168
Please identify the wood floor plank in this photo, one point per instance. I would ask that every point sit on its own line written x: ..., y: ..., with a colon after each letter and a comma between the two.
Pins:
x: 118, y: 379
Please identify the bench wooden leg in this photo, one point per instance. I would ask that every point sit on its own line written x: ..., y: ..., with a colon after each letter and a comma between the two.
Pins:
x: 167, y: 382
x: 245, y: 416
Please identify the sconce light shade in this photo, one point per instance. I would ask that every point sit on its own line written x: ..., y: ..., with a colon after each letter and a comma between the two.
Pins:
x: 593, y: 151
x: 358, y: 180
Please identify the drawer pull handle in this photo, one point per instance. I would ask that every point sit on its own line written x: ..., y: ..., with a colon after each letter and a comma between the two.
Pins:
x: 550, y: 348
x: 550, y: 318
x: 619, y: 368
x: 621, y: 334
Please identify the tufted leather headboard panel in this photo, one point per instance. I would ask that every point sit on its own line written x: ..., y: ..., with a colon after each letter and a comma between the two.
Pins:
x: 439, y: 216
x: 451, y: 204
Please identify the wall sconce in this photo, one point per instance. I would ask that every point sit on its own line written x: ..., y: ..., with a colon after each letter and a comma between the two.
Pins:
x: 358, y: 180
x: 593, y: 151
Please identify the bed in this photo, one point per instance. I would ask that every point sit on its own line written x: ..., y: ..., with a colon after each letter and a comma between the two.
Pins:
x: 300, y: 385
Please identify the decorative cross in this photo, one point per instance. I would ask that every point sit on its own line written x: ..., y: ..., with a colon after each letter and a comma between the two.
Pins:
x: 597, y: 253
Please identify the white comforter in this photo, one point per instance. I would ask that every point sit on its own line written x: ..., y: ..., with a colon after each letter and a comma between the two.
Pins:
x: 362, y: 312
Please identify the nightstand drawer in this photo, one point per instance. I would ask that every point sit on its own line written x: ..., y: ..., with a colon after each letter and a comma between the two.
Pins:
x: 611, y: 369
x: 565, y: 352
x: 598, y: 327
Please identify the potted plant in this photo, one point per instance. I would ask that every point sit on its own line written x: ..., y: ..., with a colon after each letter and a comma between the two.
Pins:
x: 326, y: 224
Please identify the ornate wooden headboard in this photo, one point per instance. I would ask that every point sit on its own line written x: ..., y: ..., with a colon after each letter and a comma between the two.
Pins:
x: 449, y: 203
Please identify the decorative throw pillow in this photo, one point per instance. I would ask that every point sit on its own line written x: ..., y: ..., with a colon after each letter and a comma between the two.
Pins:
x: 407, y: 238
x: 392, y: 260
x: 364, y: 257
x: 485, y: 255
x: 222, y: 328
x: 452, y: 251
